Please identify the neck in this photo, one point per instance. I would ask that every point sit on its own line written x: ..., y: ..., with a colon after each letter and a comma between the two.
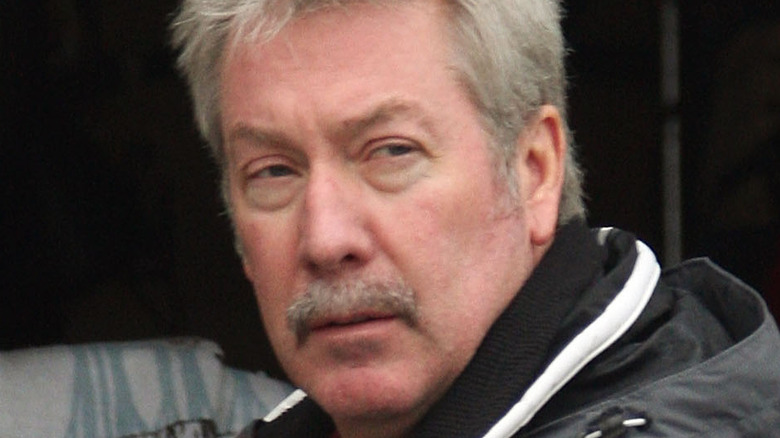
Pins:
x: 386, y: 428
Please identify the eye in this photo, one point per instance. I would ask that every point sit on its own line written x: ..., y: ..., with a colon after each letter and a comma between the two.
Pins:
x: 393, y: 164
x: 392, y: 150
x: 270, y: 184
x: 274, y: 171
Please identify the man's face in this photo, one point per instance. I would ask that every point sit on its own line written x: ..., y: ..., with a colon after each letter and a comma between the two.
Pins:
x: 356, y: 165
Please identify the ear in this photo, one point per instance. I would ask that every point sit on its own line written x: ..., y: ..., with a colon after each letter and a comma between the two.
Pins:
x: 540, y: 165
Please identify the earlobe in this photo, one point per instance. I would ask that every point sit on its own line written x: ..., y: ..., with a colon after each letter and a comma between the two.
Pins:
x: 542, y: 152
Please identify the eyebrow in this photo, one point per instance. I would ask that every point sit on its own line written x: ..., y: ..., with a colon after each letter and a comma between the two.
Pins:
x: 348, y: 129
x: 245, y: 131
x: 383, y: 113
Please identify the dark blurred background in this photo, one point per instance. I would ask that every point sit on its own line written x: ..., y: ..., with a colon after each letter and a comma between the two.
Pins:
x: 112, y: 228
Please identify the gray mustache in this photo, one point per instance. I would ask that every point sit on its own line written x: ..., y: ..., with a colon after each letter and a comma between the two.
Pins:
x: 328, y: 300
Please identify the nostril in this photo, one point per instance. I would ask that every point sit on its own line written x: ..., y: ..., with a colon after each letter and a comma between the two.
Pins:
x: 323, y: 266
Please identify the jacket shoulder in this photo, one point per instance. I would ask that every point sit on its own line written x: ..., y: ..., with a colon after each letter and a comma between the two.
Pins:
x: 736, y: 305
x: 732, y: 390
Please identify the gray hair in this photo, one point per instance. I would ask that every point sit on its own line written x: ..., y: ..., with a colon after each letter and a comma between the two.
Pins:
x: 509, y: 55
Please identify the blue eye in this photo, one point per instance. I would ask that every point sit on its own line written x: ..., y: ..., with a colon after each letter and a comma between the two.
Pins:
x: 393, y: 150
x: 276, y: 171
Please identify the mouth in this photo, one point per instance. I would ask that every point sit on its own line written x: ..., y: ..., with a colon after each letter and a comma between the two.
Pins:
x: 354, y: 324
x: 344, y: 321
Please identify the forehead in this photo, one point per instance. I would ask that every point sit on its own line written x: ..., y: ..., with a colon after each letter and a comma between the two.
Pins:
x: 352, y: 54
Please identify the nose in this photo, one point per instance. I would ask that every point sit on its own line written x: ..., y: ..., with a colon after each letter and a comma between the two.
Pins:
x: 334, y: 234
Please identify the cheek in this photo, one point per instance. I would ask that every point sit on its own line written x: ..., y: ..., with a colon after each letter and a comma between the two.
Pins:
x: 451, y: 223
x: 268, y: 249
x: 269, y: 263
x: 427, y: 241
x: 456, y: 245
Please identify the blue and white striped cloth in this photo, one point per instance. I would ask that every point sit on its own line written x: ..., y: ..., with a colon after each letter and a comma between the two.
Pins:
x: 171, y: 388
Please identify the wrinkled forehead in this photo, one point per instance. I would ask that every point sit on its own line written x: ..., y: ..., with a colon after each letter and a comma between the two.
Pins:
x: 269, y: 20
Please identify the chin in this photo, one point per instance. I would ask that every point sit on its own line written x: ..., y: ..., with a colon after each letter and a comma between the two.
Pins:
x: 368, y: 393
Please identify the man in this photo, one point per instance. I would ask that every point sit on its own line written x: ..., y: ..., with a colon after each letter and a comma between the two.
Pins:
x: 408, y: 211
